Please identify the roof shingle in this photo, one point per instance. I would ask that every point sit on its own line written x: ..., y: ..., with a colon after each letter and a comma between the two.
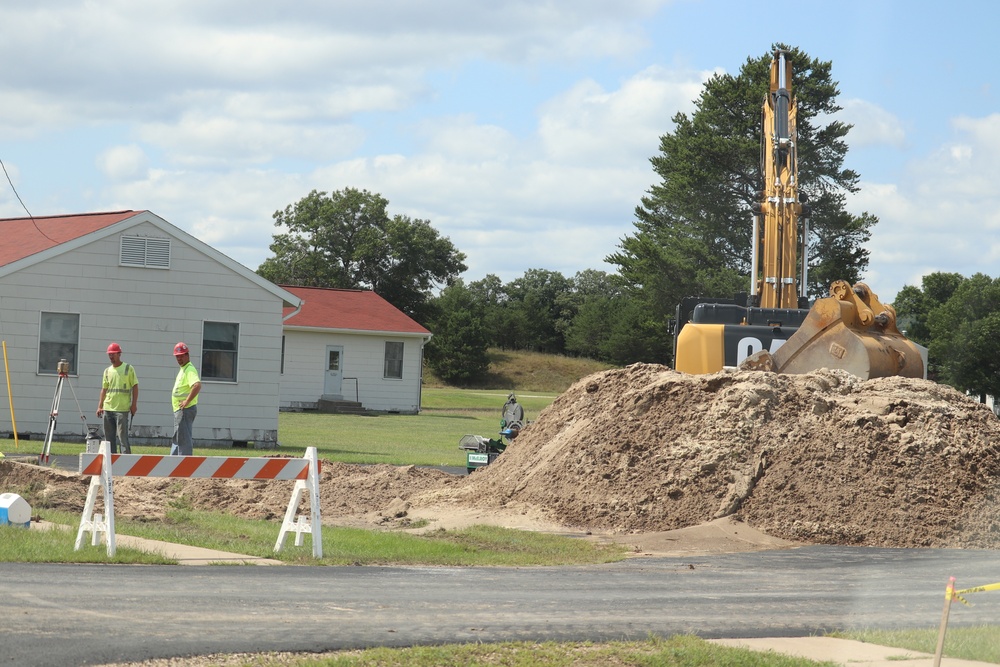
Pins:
x: 23, y: 237
x: 361, y: 310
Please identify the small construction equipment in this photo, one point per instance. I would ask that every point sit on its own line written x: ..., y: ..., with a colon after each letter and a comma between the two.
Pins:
x: 482, y: 451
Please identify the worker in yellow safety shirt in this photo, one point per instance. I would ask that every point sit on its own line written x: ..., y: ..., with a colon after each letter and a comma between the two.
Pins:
x: 184, y: 399
x: 119, y: 400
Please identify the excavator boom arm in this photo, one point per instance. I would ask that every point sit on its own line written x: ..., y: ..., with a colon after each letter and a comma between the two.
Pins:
x: 778, y: 236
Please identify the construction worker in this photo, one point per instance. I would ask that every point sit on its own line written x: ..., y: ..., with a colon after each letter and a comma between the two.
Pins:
x: 184, y: 399
x: 119, y: 400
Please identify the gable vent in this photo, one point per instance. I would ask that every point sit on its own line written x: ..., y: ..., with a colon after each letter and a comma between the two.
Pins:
x: 143, y: 251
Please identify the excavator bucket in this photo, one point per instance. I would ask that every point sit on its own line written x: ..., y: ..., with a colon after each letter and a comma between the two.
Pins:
x: 850, y: 330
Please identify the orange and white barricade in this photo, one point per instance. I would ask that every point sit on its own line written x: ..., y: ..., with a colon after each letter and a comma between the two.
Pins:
x: 103, y: 467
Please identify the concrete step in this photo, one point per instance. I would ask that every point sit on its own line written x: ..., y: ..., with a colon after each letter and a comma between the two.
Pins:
x: 341, y: 407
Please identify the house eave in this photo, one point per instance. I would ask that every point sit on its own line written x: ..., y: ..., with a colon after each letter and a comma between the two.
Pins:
x: 361, y: 332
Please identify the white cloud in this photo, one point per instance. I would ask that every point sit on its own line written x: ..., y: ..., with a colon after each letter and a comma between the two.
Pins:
x: 25, y: 113
x: 559, y: 197
x: 945, y: 216
x: 218, y: 140
x: 589, y: 124
x: 461, y: 138
x: 323, y: 104
x: 124, y: 163
x: 116, y: 59
x: 873, y: 125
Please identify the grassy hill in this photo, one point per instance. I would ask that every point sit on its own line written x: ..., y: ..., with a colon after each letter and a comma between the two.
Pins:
x: 528, y: 371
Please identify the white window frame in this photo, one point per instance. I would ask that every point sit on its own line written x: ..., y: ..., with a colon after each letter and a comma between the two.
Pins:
x: 209, y: 353
x: 68, y: 350
x: 388, y: 372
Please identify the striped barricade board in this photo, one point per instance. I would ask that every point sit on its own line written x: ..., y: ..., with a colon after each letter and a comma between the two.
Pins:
x: 103, y: 467
x: 214, y: 467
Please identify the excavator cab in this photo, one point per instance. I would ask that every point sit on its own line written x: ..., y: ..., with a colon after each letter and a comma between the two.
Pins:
x: 773, y: 327
x: 713, y: 334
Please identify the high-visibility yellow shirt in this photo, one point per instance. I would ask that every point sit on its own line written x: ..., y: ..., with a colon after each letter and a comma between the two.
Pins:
x: 117, y: 384
x: 187, y: 376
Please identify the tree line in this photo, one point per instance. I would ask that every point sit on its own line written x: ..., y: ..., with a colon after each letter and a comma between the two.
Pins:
x: 587, y: 315
x: 691, y: 237
x: 958, y: 320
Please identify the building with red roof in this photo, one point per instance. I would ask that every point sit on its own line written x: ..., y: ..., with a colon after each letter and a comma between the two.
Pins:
x: 344, y: 346
x: 72, y: 284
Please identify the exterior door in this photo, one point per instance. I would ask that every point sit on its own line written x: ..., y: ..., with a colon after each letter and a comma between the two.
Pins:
x: 334, y: 370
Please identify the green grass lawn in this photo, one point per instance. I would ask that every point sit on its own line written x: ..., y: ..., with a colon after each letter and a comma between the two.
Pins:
x: 429, y: 438
x: 483, y: 400
x: 476, y: 545
x: 980, y: 643
x: 679, y: 651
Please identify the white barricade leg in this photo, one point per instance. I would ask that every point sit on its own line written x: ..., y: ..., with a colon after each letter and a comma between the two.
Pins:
x: 300, y: 530
x: 97, y: 523
x: 298, y: 525
x: 87, y: 519
x: 313, y: 482
x: 109, y: 498
x: 289, y: 523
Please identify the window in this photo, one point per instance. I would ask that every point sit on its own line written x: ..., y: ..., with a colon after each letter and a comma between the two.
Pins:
x: 58, y: 338
x: 220, y: 351
x: 146, y: 252
x: 393, y: 360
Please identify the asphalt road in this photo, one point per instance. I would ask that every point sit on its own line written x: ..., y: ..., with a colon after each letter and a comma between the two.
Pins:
x: 91, y: 614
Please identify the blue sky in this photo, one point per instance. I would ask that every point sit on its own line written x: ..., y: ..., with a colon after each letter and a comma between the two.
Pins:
x: 521, y: 130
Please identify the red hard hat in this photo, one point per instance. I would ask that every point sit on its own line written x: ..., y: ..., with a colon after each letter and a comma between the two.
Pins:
x: 180, y: 349
x: 114, y: 347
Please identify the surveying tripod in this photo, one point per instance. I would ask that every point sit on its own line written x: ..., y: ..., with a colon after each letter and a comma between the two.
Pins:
x: 63, y: 370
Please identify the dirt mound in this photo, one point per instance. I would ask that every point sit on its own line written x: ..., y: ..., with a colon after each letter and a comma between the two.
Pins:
x: 349, y: 494
x: 823, y: 457
x: 366, y: 494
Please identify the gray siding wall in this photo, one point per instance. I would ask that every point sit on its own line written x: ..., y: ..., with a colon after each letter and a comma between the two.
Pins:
x: 147, y: 311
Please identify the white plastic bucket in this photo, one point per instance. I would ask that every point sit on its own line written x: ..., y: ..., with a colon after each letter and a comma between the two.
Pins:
x: 14, y: 510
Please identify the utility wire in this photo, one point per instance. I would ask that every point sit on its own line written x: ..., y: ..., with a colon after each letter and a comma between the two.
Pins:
x: 22, y: 203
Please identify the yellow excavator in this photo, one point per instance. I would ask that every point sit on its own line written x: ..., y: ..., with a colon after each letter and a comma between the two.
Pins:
x: 775, y: 329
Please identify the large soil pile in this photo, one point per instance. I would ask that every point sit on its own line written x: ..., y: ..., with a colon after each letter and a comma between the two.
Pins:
x: 823, y: 457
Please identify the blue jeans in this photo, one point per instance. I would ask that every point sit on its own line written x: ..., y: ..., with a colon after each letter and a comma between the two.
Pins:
x: 116, y: 431
x: 183, y: 442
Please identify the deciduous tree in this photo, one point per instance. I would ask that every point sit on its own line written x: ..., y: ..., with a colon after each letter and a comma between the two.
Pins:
x: 962, y: 346
x: 348, y: 239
